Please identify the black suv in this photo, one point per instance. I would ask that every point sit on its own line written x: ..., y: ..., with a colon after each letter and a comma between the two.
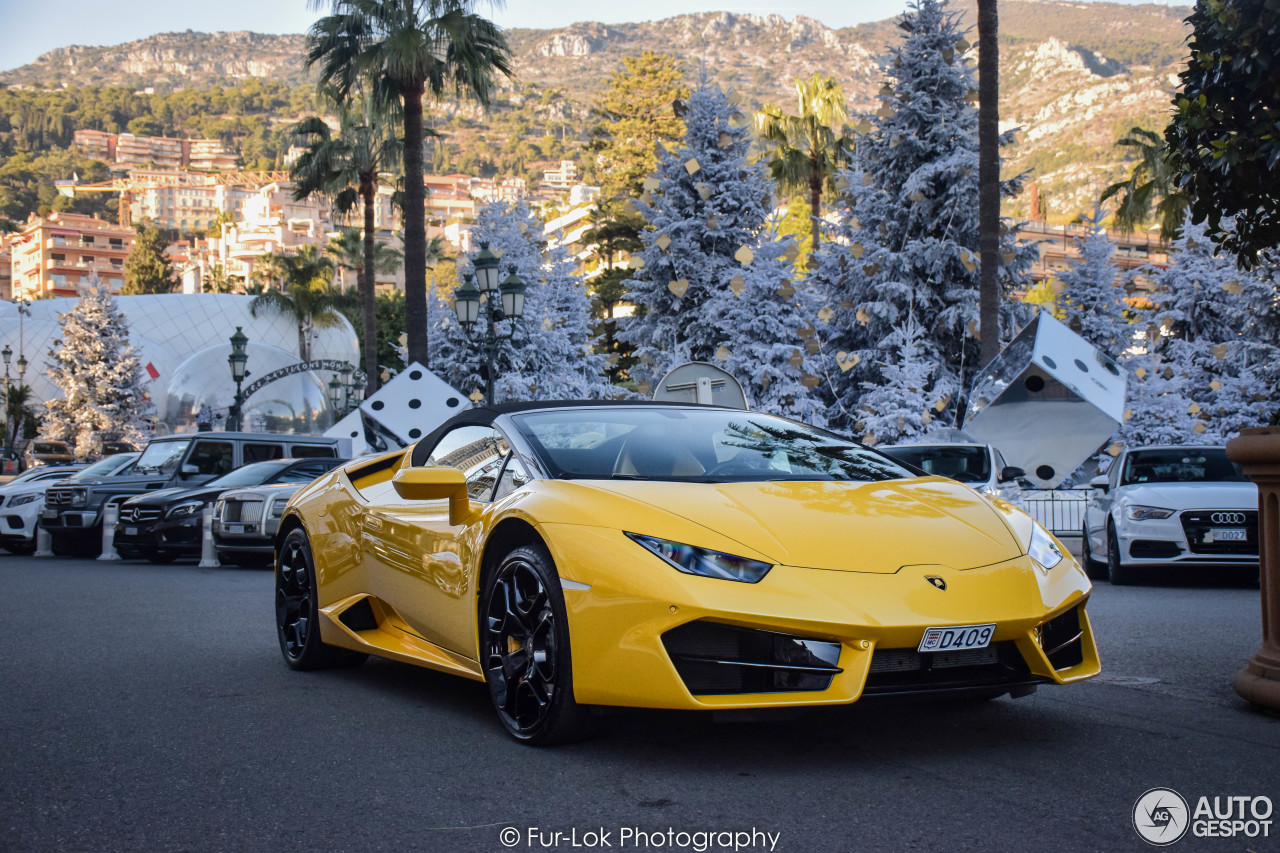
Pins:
x: 73, y: 513
x: 162, y: 526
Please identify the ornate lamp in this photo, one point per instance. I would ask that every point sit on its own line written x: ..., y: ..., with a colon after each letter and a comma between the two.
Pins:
x: 466, y: 302
x: 486, y: 264
x: 512, y: 290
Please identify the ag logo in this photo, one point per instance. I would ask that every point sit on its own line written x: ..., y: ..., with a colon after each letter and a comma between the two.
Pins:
x: 936, y: 581
x: 1161, y: 817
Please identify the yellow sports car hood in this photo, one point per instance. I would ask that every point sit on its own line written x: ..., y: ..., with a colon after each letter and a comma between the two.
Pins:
x: 859, y: 527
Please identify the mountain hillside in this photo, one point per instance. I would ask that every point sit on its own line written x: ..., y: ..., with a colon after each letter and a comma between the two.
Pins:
x: 1074, y: 76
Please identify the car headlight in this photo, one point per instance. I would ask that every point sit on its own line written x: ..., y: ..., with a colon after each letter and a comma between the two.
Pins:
x: 276, y: 508
x: 1141, y: 513
x: 184, y: 510
x: 700, y: 561
x: 79, y: 497
x: 1043, y: 549
x: 25, y: 499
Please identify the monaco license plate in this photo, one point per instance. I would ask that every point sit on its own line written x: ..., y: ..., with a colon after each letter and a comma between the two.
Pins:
x: 235, y: 528
x: 131, y: 531
x: 1228, y: 534
x: 956, y: 638
x: 49, y: 514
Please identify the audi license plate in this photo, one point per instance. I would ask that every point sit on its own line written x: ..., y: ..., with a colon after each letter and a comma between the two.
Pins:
x: 131, y: 531
x: 956, y: 638
x: 1228, y: 534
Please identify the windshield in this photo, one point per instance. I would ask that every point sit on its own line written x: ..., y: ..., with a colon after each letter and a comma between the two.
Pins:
x: 966, y: 463
x: 694, y: 445
x: 161, y: 457
x: 39, y: 472
x: 254, y: 474
x: 1193, y: 465
x: 105, y: 467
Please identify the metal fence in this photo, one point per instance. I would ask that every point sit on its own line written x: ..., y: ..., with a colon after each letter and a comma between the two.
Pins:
x: 1061, y: 511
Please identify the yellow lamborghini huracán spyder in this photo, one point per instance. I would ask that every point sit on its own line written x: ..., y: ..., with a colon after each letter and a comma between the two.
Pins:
x: 671, y: 556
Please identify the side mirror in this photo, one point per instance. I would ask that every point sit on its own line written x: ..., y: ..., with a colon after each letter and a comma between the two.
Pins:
x: 1100, y: 483
x: 188, y: 470
x: 434, y: 484
x: 1011, y: 472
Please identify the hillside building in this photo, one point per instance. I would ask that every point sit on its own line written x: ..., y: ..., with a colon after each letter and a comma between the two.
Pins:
x: 54, y: 255
x: 158, y: 151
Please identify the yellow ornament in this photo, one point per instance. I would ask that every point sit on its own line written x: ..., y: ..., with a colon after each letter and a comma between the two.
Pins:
x: 1215, y: 385
x: 704, y: 190
x: 857, y: 251
x: 1141, y: 373
x: 612, y: 360
x: 885, y: 112
x: 692, y: 166
x: 862, y: 128
x: 1007, y: 256
x: 1233, y: 287
x: 962, y: 45
x: 1114, y: 450
x: 974, y: 330
x: 812, y: 346
x: 1198, y: 428
x: 968, y: 260
x: 737, y: 284
x: 826, y: 314
x: 635, y: 262
x: 1128, y: 413
x: 678, y: 287
x: 1168, y: 373
x: 810, y: 381
x: 806, y: 331
x: 791, y: 253
x: 644, y: 387
x: 477, y: 395
x: 870, y: 269
x: 942, y: 404
x: 725, y: 139
x: 926, y: 418
x: 1220, y: 351
x: 713, y: 222
x: 862, y: 317
x: 722, y: 353
x: 915, y: 195
x: 786, y: 291
x: 651, y: 184
x: 1193, y: 409
x: 744, y: 255
x: 796, y: 359
x: 842, y: 184
x: 870, y: 439
x: 868, y: 180
x: 847, y: 361
x: 662, y: 242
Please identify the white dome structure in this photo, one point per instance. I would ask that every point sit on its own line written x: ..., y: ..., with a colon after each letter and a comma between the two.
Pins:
x: 183, y: 342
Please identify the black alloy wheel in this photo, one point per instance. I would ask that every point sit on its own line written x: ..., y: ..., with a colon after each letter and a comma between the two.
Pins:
x: 525, y: 650
x: 298, y: 611
x: 1095, y: 570
x: 1120, y: 574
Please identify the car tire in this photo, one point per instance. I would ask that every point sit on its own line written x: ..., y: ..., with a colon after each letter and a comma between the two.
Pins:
x: 244, y: 561
x: 154, y: 555
x: 62, y: 546
x: 524, y: 651
x: 298, y: 611
x: 1095, y: 570
x: 1119, y: 574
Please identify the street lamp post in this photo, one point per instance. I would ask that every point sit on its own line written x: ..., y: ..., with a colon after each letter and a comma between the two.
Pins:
x: 502, y: 301
x: 238, y: 360
x: 7, y: 354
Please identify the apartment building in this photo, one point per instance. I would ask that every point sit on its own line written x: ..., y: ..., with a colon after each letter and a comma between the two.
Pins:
x: 6, y: 268
x: 562, y: 179
x: 159, y: 151
x: 186, y: 208
x: 55, y: 255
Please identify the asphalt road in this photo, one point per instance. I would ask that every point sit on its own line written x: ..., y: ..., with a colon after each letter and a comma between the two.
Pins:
x: 146, y: 708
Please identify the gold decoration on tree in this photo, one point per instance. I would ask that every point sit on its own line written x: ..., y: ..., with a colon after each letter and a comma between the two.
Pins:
x: 862, y: 316
x: 797, y: 358
x: 476, y: 396
x: 847, y: 361
x: 704, y: 190
x: 810, y: 381
x: 737, y: 284
x: 1141, y: 373
x: 713, y: 222
x: 1193, y: 409
x: 1114, y: 450
x: 663, y: 242
x: 857, y: 250
x: 926, y: 418
x: 651, y: 184
x: 868, y: 180
x: 635, y: 262
x: 1198, y: 428
x: 786, y: 291
x: 942, y: 404
x: 826, y: 314
x: 1220, y: 351
x: 678, y: 287
x: 722, y: 353
x: 692, y: 165
x: 812, y: 346
x: 1233, y: 287
x: 644, y: 387
x: 725, y: 139
x: 968, y: 260
x: 974, y: 330
x: 744, y: 255
x: 1215, y: 385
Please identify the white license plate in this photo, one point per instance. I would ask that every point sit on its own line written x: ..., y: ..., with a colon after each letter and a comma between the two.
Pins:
x: 1228, y: 534
x: 131, y: 531
x: 955, y: 638
x: 235, y: 528
x: 49, y: 514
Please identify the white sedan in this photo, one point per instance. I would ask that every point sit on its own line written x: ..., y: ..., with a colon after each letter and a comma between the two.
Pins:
x: 22, y: 498
x: 1159, y: 506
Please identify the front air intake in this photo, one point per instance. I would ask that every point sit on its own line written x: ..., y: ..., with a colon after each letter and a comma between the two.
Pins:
x: 723, y: 659
x: 1062, y: 639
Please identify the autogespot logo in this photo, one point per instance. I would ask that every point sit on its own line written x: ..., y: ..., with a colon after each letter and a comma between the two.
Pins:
x: 1160, y: 816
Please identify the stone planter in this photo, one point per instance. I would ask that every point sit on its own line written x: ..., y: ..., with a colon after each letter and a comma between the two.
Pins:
x: 1257, y: 451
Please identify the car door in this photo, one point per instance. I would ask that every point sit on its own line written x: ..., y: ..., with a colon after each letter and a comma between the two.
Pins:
x: 1099, y: 507
x: 418, y: 560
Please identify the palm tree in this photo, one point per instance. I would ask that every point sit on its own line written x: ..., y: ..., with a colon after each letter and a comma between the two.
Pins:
x: 348, y: 252
x: 348, y: 168
x: 306, y: 296
x: 406, y: 50
x: 988, y: 181
x: 16, y: 402
x: 1150, y: 183
x: 808, y: 148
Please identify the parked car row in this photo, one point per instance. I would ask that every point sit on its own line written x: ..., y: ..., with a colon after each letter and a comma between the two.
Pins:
x: 163, y: 490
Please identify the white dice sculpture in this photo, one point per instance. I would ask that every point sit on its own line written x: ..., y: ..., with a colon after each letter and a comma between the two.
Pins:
x: 413, y: 403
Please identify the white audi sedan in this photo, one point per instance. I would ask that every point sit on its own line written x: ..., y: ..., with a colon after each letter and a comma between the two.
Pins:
x: 1167, y: 505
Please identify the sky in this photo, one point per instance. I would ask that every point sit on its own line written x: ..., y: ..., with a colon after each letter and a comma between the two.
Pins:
x: 29, y: 29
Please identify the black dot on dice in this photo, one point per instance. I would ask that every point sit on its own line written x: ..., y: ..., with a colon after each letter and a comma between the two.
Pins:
x: 415, y: 404
x: 377, y: 405
x: 452, y: 402
x: 415, y: 433
x: 415, y: 375
x: 355, y: 433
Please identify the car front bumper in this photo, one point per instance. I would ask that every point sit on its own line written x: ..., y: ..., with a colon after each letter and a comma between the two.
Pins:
x: 180, y: 536
x: 1165, y: 541
x: 18, y: 524
x: 622, y: 612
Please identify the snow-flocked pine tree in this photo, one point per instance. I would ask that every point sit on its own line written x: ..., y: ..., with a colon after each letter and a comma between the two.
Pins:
x: 716, y: 283
x: 906, y: 240
x: 100, y: 375
x: 1091, y: 302
x: 901, y: 404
